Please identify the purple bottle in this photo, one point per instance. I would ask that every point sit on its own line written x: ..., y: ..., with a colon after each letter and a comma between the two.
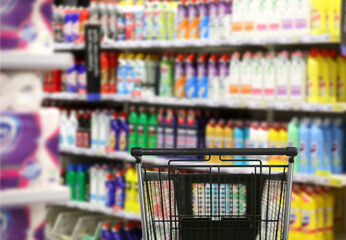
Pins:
x: 181, y: 130
x: 191, y: 76
x: 161, y: 120
x: 123, y: 135
x: 118, y: 232
x: 223, y: 74
x: 170, y: 129
x: 110, y: 190
x: 105, y: 232
x: 119, y: 190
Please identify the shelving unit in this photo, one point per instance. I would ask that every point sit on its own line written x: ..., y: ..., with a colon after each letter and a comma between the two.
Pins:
x: 17, y: 197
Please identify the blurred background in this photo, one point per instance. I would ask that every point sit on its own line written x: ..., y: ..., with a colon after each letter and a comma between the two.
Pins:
x: 84, y: 81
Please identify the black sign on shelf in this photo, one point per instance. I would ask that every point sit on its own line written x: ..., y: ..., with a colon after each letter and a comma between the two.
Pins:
x: 92, y: 55
x: 343, y: 27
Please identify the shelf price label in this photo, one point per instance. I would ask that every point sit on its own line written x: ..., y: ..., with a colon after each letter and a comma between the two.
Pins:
x: 335, y: 182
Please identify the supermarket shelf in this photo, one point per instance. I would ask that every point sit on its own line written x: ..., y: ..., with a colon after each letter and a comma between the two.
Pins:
x: 17, y: 197
x: 334, y: 180
x: 231, y: 103
x: 22, y: 61
x: 145, y: 44
x: 94, y: 207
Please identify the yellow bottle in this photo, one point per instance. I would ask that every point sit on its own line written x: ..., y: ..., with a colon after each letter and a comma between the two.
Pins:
x: 228, y: 141
x: 296, y: 214
x: 210, y: 135
x: 333, y: 75
x: 318, y: 16
x: 338, y: 209
x: 320, y: 212
x: 329, y: 213
x: 341, y: 79
x: 131, y: 191
x: 283, y: 141
x: 309, y: 214
x: 324, y: 76
x: 313, y: 76
x: 274, y: 142
x: 334, y: 18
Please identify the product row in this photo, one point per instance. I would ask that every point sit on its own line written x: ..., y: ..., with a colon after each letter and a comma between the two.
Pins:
x: 316, y: 212
x: 317, y: 77
x: 105, y: 185
x: 320, y: 141
x: 164, y: 20
x: 85, y: 225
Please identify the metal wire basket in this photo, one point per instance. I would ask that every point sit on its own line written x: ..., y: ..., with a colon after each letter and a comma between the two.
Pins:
x: 215, y: 201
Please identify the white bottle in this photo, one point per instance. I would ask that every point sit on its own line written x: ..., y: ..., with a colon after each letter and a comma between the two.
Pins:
x: 287, y: 18
x: 301, y: 13
x: 63, y: 129
x: 95, y: 129
x: 282, y: 65
x: 72, y: 127
x: 214, y: 18
x: 298, y: 77
x: 257, y: 77
x: 101, y: 179
x: 238, y: 18
x: 262, y: 20
x: 103, y: 127
x: 246, y: 76
x: 94, y: 192
x: 234, y: 76
x: 263, y: 138
x: 104, y: 20
x: 249, y: 17
x: 112, y: 20
x: 274, y: 18
x: 270, y: 76
x: 94, y: 12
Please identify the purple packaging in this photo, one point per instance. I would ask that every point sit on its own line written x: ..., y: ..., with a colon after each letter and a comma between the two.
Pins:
x: 191, y: 77
x: 29, y: 146
x: 213, y: 77
x: 223, y: 73
x: 181, y: 130
x: 182, y: 21
x: 203, y: 30
x: 170, y: 129
x: 202, y: 77
x: 26, y: 25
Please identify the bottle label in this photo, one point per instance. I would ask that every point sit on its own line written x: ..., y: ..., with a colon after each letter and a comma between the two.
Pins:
x: 314, y: 154
x: 315, y: 19
x: 160, y: 137
x: 181, y: 141
x: 309, y: 221
x: 169, y: 137
x: 191, y: 138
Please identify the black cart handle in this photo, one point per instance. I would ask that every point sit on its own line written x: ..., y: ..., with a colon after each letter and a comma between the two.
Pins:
x: 289, y: 151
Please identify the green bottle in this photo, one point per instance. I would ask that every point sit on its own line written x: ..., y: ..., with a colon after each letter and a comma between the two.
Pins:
x: 142, y: 128
x: 152, y: 129
x: 293, y: 139
x: 133, y: 131
x: 166, y: 76
x: 71, y: 180
x: 80, y: 183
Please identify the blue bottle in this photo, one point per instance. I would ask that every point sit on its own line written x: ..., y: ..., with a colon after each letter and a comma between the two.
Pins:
x: 203, y: 28
x: 119, y: 190
x: 338, y: 147
x: 304, y: 146
x: 316, y: 146
x: 118, y: 232
x: 239, y: 137
x: 123, y: 135
x: 105, y: 232
x: 327, y: 145
x: 113, y: 134
x: 110, y: 190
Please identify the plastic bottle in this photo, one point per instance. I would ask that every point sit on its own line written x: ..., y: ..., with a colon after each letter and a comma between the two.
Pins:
x: 333, y: 74
x: 181, y: 129
x: 223, y: 75
x: 122, y: 144
x: 94, y: 192
x: 309, y: 208
x: 334, y: 8
x: 270, y: 75
x: 263, y: 138
x: 274, y: 142
x: 182, y: 21
x: 152, y: 129
x: 210, y: 134
x: 245, y: 79
x: 63, y: 129
x: 337, y: 146
x: 324, y: 76
x: 202, y: 76
x: 239, y: 139
x: 318, y: 16
x: 249, y: 17
x: 192, y: 138
x: 110, y: 190
x: 238, y: 18
x: 320, y: 212
x: 302, y: 19
x: 71, y: 180
x: 329, y: 213
x: 257, y: 76
x: 142, y: 128
x: 104, y: 130
x: 171, y: 20
x: 341, y: 78
x: 119, y: 191
x: 191, y: 76
x: 179, y: 76
x: 139, y: 20
x: 304, y: 146
x: 284, y: 77
x: 72, y: 127
x: 133, y: 128
x: 80, y: 183
x: 204, y: 20
x: 283, y: 140
x: 114, y: 134
x: 214, y: 19
x: 72, y: 79
x: 234, y: 76
x: 313, y: 76
x: 327, y: 145
x: 170, y: 129
x: 140, y: 75
x: 121, y: 75
x: 296, y: 214
x: 213, y: 78
x: 166, y: 76
x: 287, y: 15
x: 130, y: 73
x: 130, y: 192
x: 293, y: 139
x: 161, y: 120
x: 316, y: 145
x: 275, y: 27
x: 106, y: 232
x: 193, y: 17
x: 298, y: 77
x: 148, y: 20
x: 225, y: 19
x: 228, y: 134
x: 95, y: 129
x: 118, y: 231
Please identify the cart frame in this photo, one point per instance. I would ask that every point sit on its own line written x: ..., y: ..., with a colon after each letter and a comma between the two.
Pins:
x: 290, y: 152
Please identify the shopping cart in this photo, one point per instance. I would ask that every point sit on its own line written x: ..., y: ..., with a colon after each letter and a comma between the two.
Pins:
x: 215, y: 201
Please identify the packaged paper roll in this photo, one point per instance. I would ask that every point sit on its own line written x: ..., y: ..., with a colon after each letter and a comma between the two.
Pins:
x: 26, y: 26
x: 4, y: 93
x: 26, y: 92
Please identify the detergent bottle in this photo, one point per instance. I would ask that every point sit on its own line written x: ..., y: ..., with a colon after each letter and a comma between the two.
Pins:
x: 181, y: 130
x: 304, y: 146
x: 296, y: 214
x: 71, y: 180
x: 316, y: 145
x: 202, y: 76
x: 179, y: 76
x: 341, y: 78
x: 333, y: 75
x: 337, y: 146
x: 170, y: 129
x: 123, y: 133
x: 309, y: 208
x: 283, y: 139
x: 191, y: 76
x: 192, y: 140
x: 133, y: 128
x: 313, y: 76
x: 182, y: 21
x: 318, y: 16
x: 327, y: 145
x: 203, y: 25
x: 329, y: 213
x: 293, y: 139
x: 210, y: 134
x: 298, y: 76
x: 130, y: 189
x: 119, y: 198
x: 274, y: 142
x: 213, y: 77
x: 193, y: 18
x: 234, y: 77
x: 161, y: 120
x: 152, y: 129
x: 320, y: 212
x: 223, y: 75
x: 142, y: 128
x: 239, y: 138
x: 324, y: 79
x: 228, y: 137
x: 166, y: 76
x: 219, y: 137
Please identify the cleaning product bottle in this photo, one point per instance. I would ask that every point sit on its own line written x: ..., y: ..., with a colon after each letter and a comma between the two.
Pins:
x: 275, y: 26
x: 334, y: 8
x: 284, y: 77
x: 204, y: 20
x: 270, y: 73
x: 181, y: 129
x: 130, y: 73
x: 210, y: 134
x: 71, y: 180
x: 245, y: 79
x: 148, y: 20
x: 114, y: 134
x: 193, y: 17
x: 104, y: 73
x: 298, y: 77
x: 214, y: 19
x: 302, y: 18
x: 72, y: 127
x: 179, y: 76
x: 213, y: 78
x: 320, y: 212
x: 119, y: 191
x: 192, y: 140
x: 333, y: 75
x: 313, y: 76
x: 166, y: 76
x: 202, y: 76
x: 324, y: 79
x: 110, y: 190
x: 122, y: 144
x: 129, y: 189
x: 234, y: 76
x: 63, y: 129
x: 170, y: 129
x: 228, y: 136
x: 296, y: 214
x: 309, y: 208
x: 225, y: 19
x: 283, y: 141
x: 238, y: 18
x: 239, y: 139
x: 80, y: 183
x: 327, y: 145
x: 139, y: 75
x: 191, y: 76
x: 263, y: 138
x: 94, y: 191
x: 223, y: 75
x: 318, y: 16
x: 142, y: 128
x: 304, y: 146
x: 337, y: 146
x: 106, y: 233
x: 161, y: 120
x: 257, y: 76
x: 274, y: 142
x: 133, y: 128
x: 341, y: 79
x: 329, y: 213
x: 182, y: 21
x: 316, y: 145
x: 152, y: 129
x: 293, y: 139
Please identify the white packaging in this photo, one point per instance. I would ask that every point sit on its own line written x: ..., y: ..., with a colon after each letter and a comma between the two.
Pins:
x: 225, y: 19
x: 25, y: 92
x: 214, y: 20
x: 95, y: 129
x: 234, y: 77
x: 287, y: 17
x: 274, y: 17
x: 262, y: 19
x: 283, y: 76
x: 250, y: 12
x: 246, y: 76
x: 104, y: 125
x: 298, y: 77
x: 71, y: 129
x: 268, y: 65
x: 301, y: 12
x: 238, y: 9
x: 63, y: 129
x: 101, y: 180
x: 257, y: 77
x: 5, y: 85
x: 94, y: 187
